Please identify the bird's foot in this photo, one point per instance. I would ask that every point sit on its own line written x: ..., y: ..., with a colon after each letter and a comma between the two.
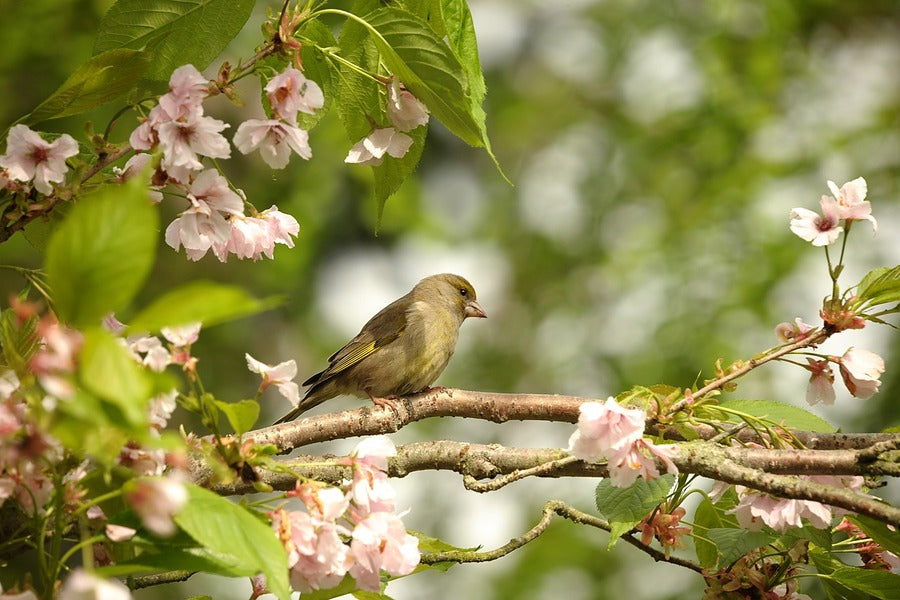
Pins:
x: 388, y: 401
x: 436, y: 388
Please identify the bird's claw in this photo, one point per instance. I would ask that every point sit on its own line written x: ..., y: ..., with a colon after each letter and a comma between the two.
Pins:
x: 389, y: 401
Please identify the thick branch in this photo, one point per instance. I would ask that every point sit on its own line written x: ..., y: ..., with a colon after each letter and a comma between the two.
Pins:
x: 498, y: 408
x: 743, y: 466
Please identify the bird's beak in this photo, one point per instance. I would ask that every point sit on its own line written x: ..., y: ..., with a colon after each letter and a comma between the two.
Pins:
x: 473, y: 309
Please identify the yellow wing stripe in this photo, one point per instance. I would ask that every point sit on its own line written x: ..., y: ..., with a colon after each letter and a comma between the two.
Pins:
x: 359, y: 353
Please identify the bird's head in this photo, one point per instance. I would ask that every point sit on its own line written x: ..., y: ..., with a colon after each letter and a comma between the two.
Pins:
x: 451, y: 291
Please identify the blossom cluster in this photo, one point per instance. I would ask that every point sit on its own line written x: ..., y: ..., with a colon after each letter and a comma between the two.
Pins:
x: 756, y: 509
x: 30, y: 456
x: 860, y: 369
x: 353, y: 530
x: 405, y: 112
x: 846, y: 204
x: 30, y: 159
x: 608, y: 431
x: 215, y: 219
x: 289, y: 93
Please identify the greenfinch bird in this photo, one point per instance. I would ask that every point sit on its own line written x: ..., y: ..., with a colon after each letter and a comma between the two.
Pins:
x: 401, y: 350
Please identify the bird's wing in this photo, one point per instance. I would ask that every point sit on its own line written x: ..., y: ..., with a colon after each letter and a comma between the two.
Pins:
x: 382, y: 329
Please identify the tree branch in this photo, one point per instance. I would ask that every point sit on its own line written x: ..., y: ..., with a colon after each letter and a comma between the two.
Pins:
x: 498, y: 408
x: 758, y: 468
x: 550, y: 508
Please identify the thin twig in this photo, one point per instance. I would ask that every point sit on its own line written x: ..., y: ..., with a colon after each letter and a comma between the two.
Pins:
x: 816, y: 338
x: 540, y: 470
x: 567, y: 512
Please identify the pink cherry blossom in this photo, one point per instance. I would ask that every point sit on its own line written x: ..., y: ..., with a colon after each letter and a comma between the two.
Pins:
x: 81, y: 585
x: 183, y: 335
x: 627, y: 464
x: 274, y: 139
x: 255, y: 237
x: 403, y: 109
x: 317, y: 557
x: 182, y: 141
x: 756, y: 509
x: 605, y: 427
x: 861, y: 371
x: 250, y: 237
x: 156, y: 356
x: 178, y: 126
x: 290, y: 91
x: 211, y: 189
x: 187, y: 89
x: 792, y: 332
x: 324, y: 503
x: 198, y: 233
x: 119, y: 533
x: 161, y: 407
x: 371, y: 149
x: 820, y: 230
x: 135, y: 166
x: 380, y: 542
x: 144, y: 135
x: 851, y: 200
x: 143, y: 461
x: 33, y: 487
x: 203, y: 225
x: 282, y: 225
x: 156, y: 500
x: 821, y: 382
x: 28, y: 157
x: 56, y: 359
x: 280, y: 375
x: 374, y: 451
x: 9, y: 383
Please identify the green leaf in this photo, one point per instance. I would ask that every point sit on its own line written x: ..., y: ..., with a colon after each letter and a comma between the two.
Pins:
x: 107, y: 370
x: 781, y: 414
x: 880, y: 286
x: 231, y: 532
x: 241, y: 415
x: 361, y: 104
x: 819, y: 537
x: 880, y: 584
x: 174, y: 32
x: 625, y: 507
x: 88, y: 426
x: 460, y: 32
x: 102, y: 253
x: 878, y: 531
x: 205, y: 301
x: 317, y: 67
x: 709, y: 516
x: 735, y: 543
x: 826, y: 564
x: 428, y: 68
x: 101, y: 79
x: 178, y: 559
x: 346, y: 586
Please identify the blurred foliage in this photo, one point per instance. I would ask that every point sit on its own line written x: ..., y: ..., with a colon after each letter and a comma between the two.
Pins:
x: 656, y: 149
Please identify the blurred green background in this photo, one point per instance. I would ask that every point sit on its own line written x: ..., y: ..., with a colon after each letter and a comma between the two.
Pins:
x: 656, y: 149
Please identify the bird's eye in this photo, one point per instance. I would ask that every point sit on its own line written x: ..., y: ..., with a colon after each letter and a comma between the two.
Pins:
x: 463, y: 292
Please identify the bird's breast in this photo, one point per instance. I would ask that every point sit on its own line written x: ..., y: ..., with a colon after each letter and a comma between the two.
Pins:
x: 431, y: 340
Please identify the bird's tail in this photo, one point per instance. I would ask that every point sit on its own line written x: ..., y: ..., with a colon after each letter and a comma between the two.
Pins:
x: 314, y: 396
x: 296, y: 412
